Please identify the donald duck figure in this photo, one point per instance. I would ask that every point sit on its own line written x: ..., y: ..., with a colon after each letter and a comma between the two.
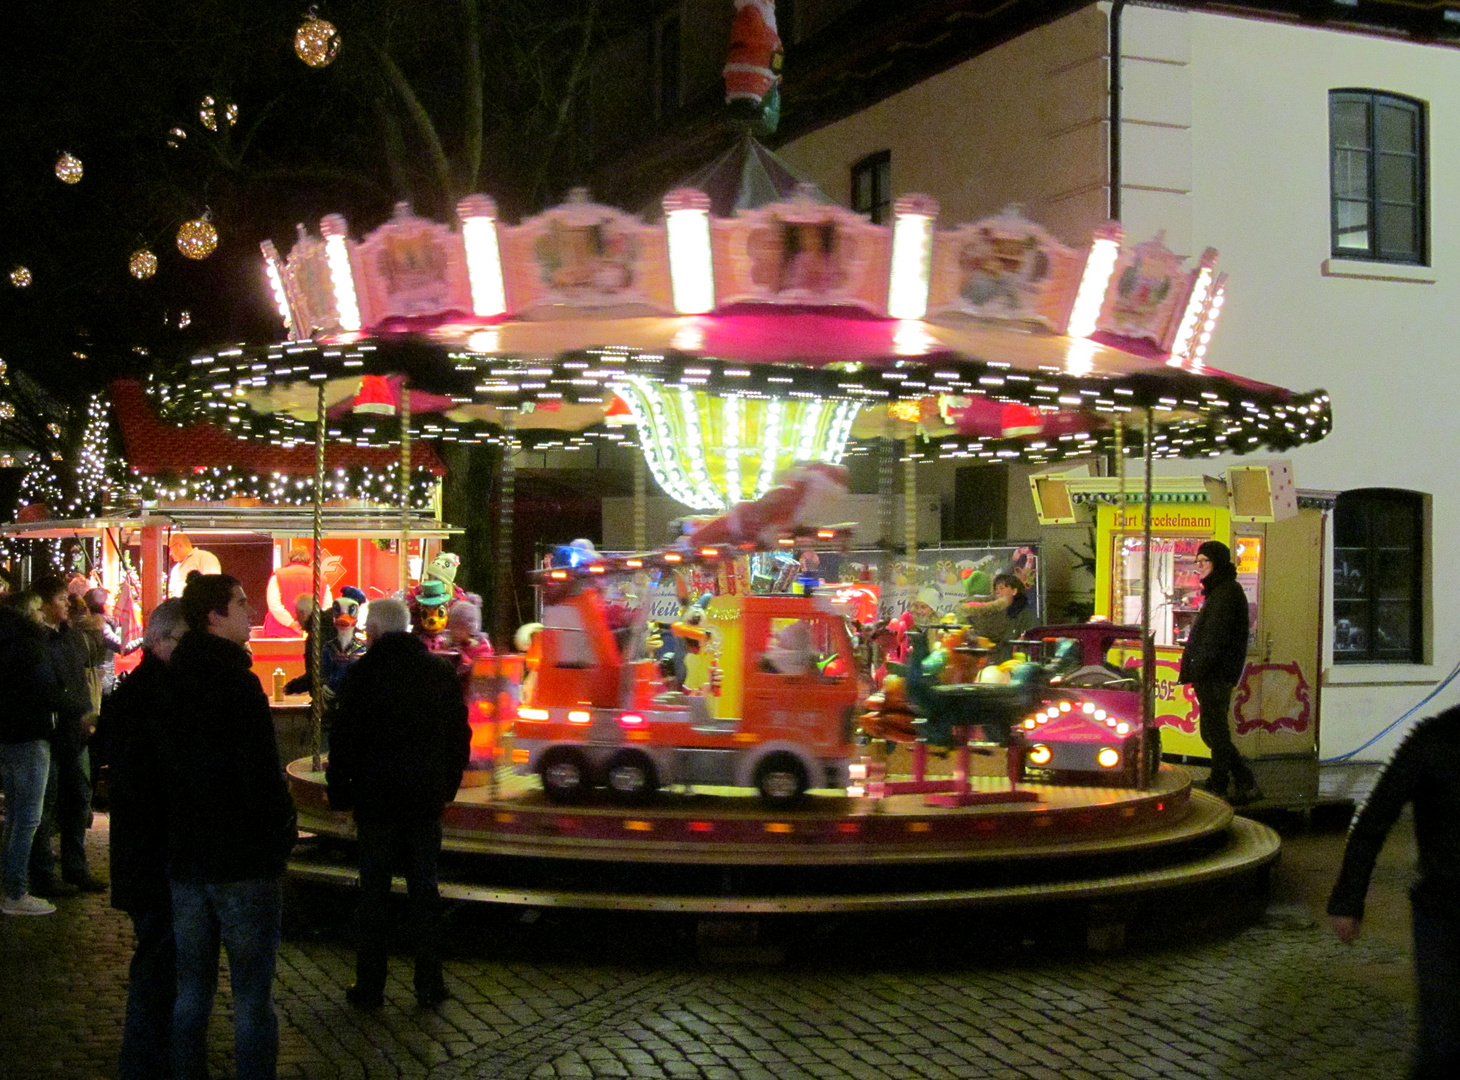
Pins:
x: 344, y: 646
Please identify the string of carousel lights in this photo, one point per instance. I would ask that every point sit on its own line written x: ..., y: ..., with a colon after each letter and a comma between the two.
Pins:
x: 1198, y: 415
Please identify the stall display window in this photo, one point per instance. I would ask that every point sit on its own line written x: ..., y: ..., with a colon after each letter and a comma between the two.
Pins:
x: 1176, y: 595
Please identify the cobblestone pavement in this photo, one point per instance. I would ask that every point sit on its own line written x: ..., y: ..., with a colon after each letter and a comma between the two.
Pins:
x: 545, y: 995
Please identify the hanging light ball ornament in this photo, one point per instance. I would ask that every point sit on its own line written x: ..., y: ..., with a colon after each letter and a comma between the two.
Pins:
x: 142, y: 264
x: 208, y: 113
x: 20, y: 277
x: 68, y: 169
x: 197, y: 239
x: 317, y: 42
x: 175, y: 136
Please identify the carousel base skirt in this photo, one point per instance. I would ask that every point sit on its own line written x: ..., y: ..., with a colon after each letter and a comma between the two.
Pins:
x: 720, y: 850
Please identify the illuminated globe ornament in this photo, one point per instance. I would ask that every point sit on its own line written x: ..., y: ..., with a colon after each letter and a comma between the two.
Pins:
x: 142, y: 264
x: 317, y: 42
x: 20, y: 277
x: 197, y: 239
x: 68, y: 169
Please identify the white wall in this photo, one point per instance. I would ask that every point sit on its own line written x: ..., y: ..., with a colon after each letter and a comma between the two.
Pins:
x: 1256, y: 94
x: 1225, y: 143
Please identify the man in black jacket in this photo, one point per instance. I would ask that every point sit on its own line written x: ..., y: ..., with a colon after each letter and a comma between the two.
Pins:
x: 399, y: 741
x: 68, y: 794
x: 1424, y: 771
x: 127, y: 742
x: 231, y: 826
x: 1212, y: 661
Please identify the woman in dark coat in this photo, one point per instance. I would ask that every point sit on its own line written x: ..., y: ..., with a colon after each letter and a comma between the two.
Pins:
x: 1212, y: 662
x: 126, y: 741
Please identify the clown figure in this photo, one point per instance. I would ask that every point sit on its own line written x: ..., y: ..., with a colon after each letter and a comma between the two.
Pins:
x: 343, y: 647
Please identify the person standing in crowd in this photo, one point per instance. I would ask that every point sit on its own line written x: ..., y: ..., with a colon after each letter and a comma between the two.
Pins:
x: 1424, y: 772
x: 110, y: 633
x: 231, y: 826
x: 399, y: 743
x: 127, y: 741
x: 185, y: 560
x: 27, y: 722
x: 1212, y: 662
x: 68, y: 793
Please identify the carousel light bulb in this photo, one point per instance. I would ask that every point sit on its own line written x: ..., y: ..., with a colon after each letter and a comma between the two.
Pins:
x: 912, y: 256
x: 142, y: 264
x: 316, y: 42
x: 197, y: 239
x: 691, y: 263
x: 20, y: 277
x: 1090, y: 296
x: 68, y: 169
x: 337, y: 254
x: 478, y: 216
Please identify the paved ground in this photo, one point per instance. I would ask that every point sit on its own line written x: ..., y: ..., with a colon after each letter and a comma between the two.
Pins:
x: 543, y: 995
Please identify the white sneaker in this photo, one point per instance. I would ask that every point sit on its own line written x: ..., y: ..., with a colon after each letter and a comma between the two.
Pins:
x: 26, y: 905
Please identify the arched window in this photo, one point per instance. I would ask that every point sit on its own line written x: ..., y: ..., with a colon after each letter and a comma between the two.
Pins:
x: 1379, y: 185
x: 1378, y: 577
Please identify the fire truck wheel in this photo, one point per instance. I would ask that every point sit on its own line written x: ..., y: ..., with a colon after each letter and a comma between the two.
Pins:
x: 781, y: 779
x: 564, y: 775
x: 631, y: 776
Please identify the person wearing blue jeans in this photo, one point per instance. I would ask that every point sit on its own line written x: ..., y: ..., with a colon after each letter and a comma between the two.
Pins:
x: 27, y: 719
x: 230, y: 826
x: 244, y: 917
x: 24, y: 769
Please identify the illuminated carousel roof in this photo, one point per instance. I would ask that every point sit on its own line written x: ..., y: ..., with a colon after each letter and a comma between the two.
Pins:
x: 991, y: 339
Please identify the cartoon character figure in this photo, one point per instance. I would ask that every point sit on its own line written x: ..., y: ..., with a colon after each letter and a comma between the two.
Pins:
x: 344, y: 646
x: 464, y: 635
x: 432, y: 600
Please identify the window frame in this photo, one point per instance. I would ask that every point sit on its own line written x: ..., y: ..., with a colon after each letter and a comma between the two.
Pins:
x: 1373, y: 502
x: 878, y: 166
x: 1371, y: 100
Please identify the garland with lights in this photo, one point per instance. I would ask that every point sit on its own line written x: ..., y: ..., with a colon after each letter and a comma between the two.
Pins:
x: 358, y: 483
x: 1196, y: 415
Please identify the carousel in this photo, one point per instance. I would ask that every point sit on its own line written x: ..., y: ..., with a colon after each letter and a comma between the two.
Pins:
x: 746, y: 351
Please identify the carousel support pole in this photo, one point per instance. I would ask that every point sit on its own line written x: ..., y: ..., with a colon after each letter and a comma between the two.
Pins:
x: 885, y: 478
x: 405, y: 488
x: 506, y: 591
x: 315, y: 641
x: 641, y: 503
x: 1122, y: 499
x: 1148, y: 640
x: 910, y: 499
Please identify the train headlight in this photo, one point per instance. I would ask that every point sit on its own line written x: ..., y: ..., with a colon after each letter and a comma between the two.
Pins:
x: 1039, y: 754
x: 1109, y: 757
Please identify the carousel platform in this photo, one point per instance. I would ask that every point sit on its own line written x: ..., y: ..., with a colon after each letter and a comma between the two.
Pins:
x: 720, y: 851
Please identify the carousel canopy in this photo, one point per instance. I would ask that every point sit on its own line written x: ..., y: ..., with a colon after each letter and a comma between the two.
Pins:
x: 993, y: 338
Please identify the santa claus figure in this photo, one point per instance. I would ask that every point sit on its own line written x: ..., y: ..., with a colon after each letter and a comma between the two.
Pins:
x: 804, y: 496
x: 753, y: 63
